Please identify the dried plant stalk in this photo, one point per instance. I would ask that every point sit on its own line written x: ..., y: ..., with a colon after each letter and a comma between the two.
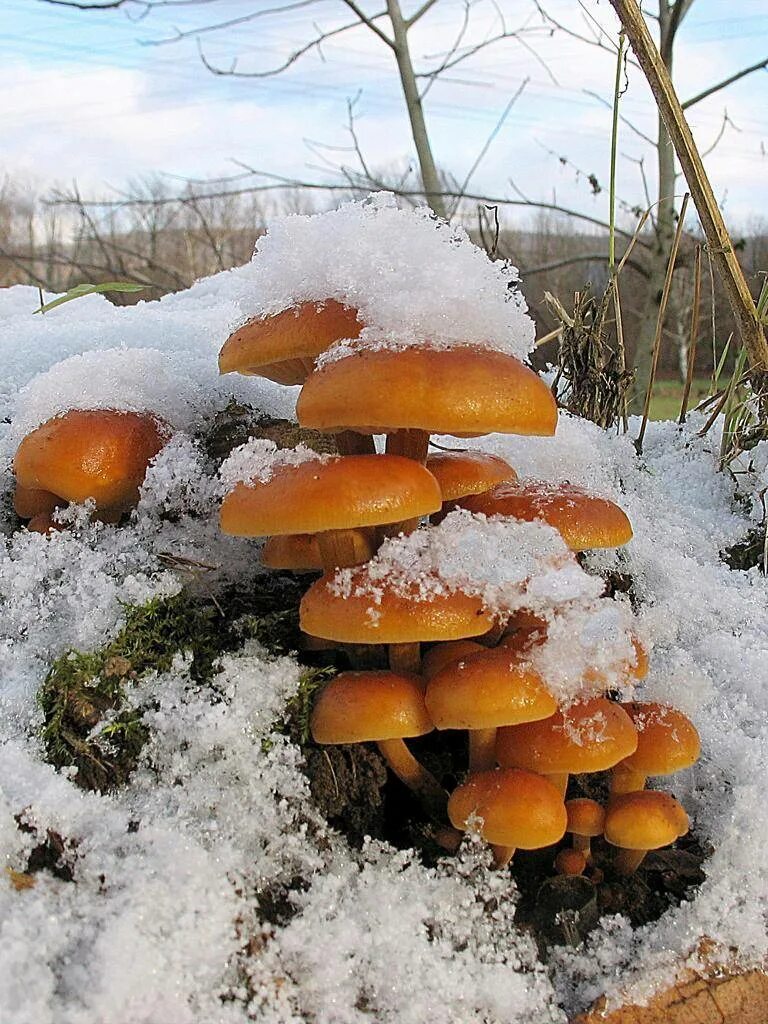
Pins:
x: 593, y: 377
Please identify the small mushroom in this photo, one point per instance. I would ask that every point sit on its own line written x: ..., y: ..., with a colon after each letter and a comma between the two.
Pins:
x: 360, y: 610
x: 641, y: 821
x: 584, y: 520
x: 482, y: 692
x: 409, y: 394
x: 383, y: 707
x: 462, y: 473
x: 570, y: 862
x: 586, y: 820
x: 98, y: 454
x: 447, y: 653
x: 331, y: 498
x: 667, y: 742
x: 511, y: 808
x: 588, y: 736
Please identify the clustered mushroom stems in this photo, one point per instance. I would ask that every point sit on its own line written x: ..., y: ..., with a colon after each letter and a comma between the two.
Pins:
x: 341, y: 549
x: 414, y: 775
x: 502, y: 855
x: 413, y: 444
x: 350, y: 442
x: 625, y: 780
x: 482, y: 749
x: 405, y: 658
x: 559, y: 779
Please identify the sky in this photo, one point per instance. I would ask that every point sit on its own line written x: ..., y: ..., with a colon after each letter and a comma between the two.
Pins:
x: 104, y: 97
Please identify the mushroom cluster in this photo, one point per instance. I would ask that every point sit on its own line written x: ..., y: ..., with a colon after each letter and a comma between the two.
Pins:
x: 448, y: 658
x: 426, y: 650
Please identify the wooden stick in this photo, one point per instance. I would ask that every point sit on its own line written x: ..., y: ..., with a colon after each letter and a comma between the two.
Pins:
x: 718, y: 240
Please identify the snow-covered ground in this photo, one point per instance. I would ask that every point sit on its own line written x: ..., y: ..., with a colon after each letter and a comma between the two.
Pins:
x: 161, y: 922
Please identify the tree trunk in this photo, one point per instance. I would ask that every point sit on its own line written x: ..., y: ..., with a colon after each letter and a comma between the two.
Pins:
x: 427, y: 167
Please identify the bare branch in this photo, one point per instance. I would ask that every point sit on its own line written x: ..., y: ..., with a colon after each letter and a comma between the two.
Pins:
x: 726, y: 82
x: 296, y: 55
x: 80, y: 5
x: 497, y: 128
x: 370, y: 23
x: 726, y: 121
x: 566, y: 261
x: 419, y: 13
x: 230, y: 23
x: 451, y: 52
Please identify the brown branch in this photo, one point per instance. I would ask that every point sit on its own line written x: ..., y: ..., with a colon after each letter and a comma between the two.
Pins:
x: 718, y: 240
x: 370, y: 22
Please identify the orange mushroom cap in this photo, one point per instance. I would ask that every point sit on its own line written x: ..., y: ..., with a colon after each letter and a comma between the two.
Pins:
x: 279, y: 346
x: 584, y: 520
x: 517, y: 808
x: 462, y: 473
x: 340, y: 493
x: 447, y: 653
x: 585, y: 817
x: 667, y: 740
x: 589, y: 736
x: 356, y: 707
x: 462, y: 391
x: 487, y: 690
x: 570, y: 862
x: 353, y: 614
x: 644, y: 820
x: 101, y: 454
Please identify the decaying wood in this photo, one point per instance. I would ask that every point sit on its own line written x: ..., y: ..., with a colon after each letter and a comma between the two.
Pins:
x: 722, y: 996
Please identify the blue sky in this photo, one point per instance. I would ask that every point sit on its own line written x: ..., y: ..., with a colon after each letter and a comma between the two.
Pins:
x: 89, y: 97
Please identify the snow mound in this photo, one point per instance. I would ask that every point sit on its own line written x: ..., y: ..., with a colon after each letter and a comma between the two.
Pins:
x: 415, y: 280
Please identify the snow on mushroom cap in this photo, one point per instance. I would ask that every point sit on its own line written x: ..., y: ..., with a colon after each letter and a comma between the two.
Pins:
x: 588, y: 649
x: 507, y: 563
x: 125, y: 379
x: 257, y: 460
x: 415, y: 280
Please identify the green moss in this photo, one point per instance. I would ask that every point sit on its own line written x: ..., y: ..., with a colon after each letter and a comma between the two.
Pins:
x: 89, y: 721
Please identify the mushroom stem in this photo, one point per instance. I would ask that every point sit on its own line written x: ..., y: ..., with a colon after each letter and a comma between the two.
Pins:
x: 340, y: 549
x: 559, y: 779
x: 502, y: 855
x: 482, y: 749
x: 628, y: 861
x: 414, y: 775
x: 447, y: 837
x: 350, y: 442
x: 413, y: 444
x: 582, y: 845
x: 405, y: 657
x: 625, y: 780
